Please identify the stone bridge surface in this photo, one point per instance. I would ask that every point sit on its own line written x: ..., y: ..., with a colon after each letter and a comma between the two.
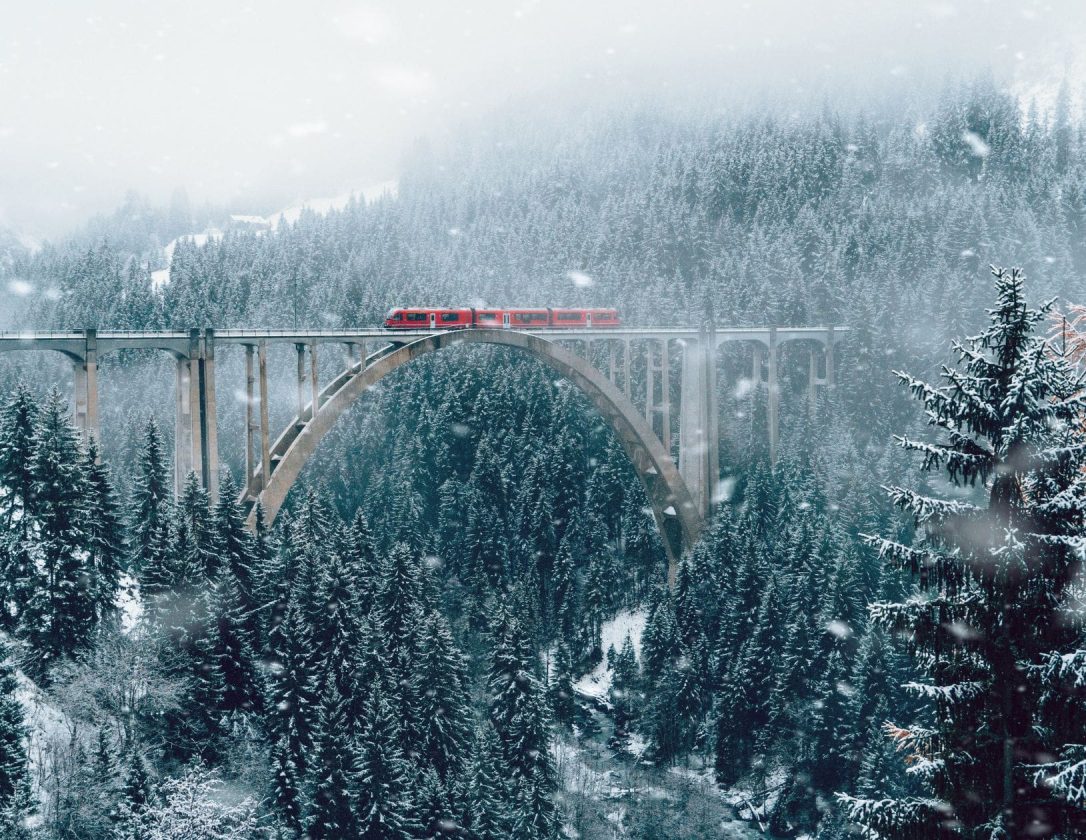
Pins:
x: 680, y: 489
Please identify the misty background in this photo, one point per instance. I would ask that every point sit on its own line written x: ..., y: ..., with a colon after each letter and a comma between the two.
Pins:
x: 254, y: 107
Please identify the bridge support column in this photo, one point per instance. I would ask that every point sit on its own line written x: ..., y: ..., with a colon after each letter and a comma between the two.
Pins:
x: 650, y: 384
x: 774, y: 395
x: 187, y: 397
x: 314, y: 379
x: 829, y: 357
x: 251, y: 426
x: 665, y: 395
x: 195, y: 427
x: 698, y: 460
x: 209, y: 417
x: 626, y: 368
x: 85, y: 375
x: 265, y: 430
x: 299, y: 349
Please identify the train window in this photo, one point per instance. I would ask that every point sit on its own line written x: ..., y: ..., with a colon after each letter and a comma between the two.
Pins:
x: 450, y: 316
x: 396, y: 316
x: 488, y: 316
x: 416, y: 316
x: 568, y: 316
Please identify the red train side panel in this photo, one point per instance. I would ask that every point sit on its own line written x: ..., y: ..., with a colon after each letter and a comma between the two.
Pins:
x: 428, y: 318
x: 425, y: 318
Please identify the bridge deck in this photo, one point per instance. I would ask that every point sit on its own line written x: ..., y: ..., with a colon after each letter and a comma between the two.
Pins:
x: 74, y: 341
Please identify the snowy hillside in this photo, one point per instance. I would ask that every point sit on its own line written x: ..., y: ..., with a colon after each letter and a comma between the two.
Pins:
x: 260, y: 224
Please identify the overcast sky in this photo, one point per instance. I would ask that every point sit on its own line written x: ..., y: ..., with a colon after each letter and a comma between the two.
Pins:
x: 266, y: 103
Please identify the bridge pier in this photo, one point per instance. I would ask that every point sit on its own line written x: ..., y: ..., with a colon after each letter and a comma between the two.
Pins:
x: 196, y: 436
x: 698, y: 423
x: 85, y: 380
x: 265, y: 424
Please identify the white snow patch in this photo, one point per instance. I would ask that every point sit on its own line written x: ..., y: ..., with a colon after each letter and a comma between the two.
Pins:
x: 323, y: 206
x: 46, y: 726
x: 161, y: 277
x: 129, y: 603
x: 597, y: 683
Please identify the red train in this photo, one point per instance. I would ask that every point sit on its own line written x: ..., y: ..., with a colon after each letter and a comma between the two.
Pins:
x: 426, y: 318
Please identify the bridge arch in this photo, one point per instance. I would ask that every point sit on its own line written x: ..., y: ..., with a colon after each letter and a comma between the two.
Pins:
x: 677, y: 517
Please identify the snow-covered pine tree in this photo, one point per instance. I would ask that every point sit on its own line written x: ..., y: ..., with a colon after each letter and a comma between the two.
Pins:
x: 230, y: 645
x: 105, y: 536
x: 59, y: 618
x: 152, y: 499
x: 383, y: 804
x: 444, y: 703
x: 233, y: 545
x: 15, y: 796
x: 331, y: 815
x: 18, y: 420
x: 521, y: 718
x: 995, y: 638
x: 484, y: 811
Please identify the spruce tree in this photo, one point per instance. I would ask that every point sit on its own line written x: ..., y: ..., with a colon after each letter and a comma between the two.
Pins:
x: 105, y: 537
x: 15, y: 794
x: 1004, y: 752
x: 444, y: 704
x: 152, y: 499
x: 485, y: 811
x: 383, y: 804
x: 518, y: 710
x: 331, y: 815
x: 60, y: 617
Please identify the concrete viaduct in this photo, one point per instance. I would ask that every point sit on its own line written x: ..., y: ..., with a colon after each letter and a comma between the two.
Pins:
x: 680, y: 489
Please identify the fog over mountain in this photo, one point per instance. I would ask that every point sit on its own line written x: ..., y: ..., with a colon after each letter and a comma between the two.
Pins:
x: 261, y: 105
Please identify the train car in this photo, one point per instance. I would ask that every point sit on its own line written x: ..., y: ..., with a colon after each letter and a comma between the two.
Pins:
x: 425, y: 318
x: 567, y: 319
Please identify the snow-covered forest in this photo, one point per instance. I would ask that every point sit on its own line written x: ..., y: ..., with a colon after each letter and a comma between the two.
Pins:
x: 459, y: 624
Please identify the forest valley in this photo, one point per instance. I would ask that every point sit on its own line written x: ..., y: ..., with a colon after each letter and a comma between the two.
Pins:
x: 880, y: 636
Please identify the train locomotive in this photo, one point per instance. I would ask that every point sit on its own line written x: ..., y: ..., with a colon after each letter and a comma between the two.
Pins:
x: 429, y: 318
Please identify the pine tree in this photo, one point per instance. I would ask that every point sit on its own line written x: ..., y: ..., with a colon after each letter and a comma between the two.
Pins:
x: 18, y: 421
x: 331, y: 815
x: 15, y: 794
x: 444, y: 703
x: 383, y: 802
x: 105, y: 538
x: 292, y: 687
x: 560, y: 697
x: 60, y: 617
x: 625, y: 692
x: 518, y: 709
x: 287, y: 784
x: 1004, y: 756
x: 485, y: 814
x: 151, y: 511
x: 230, y: 646
x: 233, y: 545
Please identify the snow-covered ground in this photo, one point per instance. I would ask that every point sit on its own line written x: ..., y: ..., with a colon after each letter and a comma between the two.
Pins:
x: 46, y: 726
x: 597, y: 682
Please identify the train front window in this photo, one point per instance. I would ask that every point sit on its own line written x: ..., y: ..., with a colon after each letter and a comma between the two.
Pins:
x: 395, y: 316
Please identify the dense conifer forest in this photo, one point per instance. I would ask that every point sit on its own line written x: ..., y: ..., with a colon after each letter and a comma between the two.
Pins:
x: 458, y: 626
